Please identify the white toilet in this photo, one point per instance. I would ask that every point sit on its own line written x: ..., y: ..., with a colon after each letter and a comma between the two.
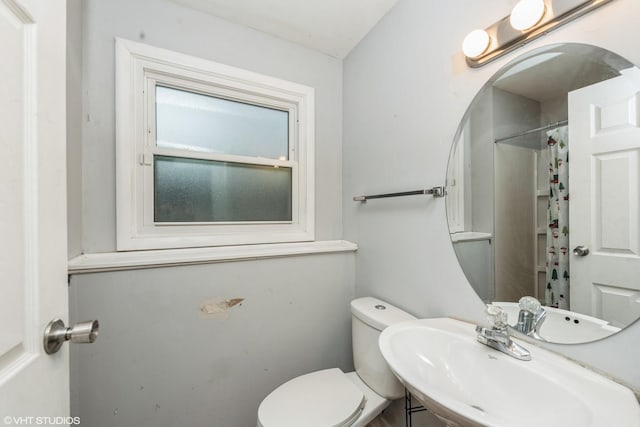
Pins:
x: 331, y: 398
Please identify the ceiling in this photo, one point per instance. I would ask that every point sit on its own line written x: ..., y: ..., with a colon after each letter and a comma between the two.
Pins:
x: 333, y: 27
x: 548, y: 76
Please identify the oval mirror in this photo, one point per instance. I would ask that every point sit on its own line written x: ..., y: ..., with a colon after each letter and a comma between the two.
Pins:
x: 543, y: 199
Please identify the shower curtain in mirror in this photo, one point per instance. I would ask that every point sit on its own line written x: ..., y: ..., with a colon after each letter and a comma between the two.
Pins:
x: 557, y: 290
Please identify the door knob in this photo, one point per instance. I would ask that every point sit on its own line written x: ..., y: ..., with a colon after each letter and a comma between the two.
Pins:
x: 581, y: 251
x: 55, y: 334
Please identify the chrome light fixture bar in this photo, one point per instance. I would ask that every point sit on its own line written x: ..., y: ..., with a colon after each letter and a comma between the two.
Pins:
x: 503, y: 37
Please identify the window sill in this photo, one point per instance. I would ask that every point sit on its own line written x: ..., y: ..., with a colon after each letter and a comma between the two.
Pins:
x: 470, y: 236
x: 117, y: 261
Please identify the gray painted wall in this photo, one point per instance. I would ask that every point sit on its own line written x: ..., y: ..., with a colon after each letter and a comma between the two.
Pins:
x: 406, y: 88
x: 160, y: 362
x: 515, y: 199
x: 74, y: 127
x: 475, y: 256
x: 480, y: 152
x: 157, y: 361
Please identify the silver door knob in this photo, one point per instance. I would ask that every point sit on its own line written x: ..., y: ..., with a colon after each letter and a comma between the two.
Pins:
x: 581, y: 251
x: 55, y: 334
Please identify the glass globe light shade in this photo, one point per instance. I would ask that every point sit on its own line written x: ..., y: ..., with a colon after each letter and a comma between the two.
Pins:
x: 526, y: 14
x: 475, y: 43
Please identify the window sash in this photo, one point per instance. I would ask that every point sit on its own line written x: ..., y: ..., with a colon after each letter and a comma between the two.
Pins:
x: 239, y: 128
x: 251, y: 202
x: 153, y: 79
x: 150, y: 149
x: 148, y: 209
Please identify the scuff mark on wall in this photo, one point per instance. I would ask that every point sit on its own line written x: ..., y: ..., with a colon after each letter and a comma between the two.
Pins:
x: 218, y: 308
x: 234, y: 301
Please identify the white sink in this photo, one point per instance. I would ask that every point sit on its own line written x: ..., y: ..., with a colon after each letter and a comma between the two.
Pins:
x: 470, y: 384
x: 562, y: 326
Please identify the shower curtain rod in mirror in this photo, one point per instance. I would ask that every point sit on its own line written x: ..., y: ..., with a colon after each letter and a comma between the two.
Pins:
x: 545, y: 127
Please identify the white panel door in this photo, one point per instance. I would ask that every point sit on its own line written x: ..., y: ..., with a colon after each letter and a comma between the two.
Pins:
x: 33, y: 288
x: 604, y: 157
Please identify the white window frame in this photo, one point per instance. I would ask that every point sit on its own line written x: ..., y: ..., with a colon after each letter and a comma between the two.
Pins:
x: 139, y: 68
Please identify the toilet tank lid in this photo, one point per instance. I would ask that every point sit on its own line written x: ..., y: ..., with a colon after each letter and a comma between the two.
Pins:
x: 377, y: 313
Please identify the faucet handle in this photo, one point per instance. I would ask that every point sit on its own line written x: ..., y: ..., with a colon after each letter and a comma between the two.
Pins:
x: 496, y: 316
x: 530, y: 304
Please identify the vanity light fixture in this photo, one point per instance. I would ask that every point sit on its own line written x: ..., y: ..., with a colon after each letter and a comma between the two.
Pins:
x: 529, y: 20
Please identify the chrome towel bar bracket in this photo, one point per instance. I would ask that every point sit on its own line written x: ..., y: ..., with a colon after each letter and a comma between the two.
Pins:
x: 435, y: 192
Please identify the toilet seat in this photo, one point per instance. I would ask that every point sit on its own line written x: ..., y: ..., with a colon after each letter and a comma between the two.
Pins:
x: 320, y: 399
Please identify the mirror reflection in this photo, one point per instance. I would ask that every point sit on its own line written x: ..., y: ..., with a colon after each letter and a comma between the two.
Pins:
x: 543, y: 195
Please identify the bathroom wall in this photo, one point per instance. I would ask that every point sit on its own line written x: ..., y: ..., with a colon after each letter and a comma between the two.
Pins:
x: 74, y: 127
x: 160, y: 361
x: 515, y: 223
x: 515, y: 198
x: 476, y: 257
x: 481, y: 153
x: 406, y: 88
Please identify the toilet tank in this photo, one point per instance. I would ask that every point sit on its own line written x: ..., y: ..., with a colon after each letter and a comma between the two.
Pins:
x: 369, y: 316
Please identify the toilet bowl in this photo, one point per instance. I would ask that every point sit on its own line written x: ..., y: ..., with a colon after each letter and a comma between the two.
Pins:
x: 332, y: 398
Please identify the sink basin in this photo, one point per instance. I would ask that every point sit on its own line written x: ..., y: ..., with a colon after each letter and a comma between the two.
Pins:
x: 562, y: 326
x: 470, y: 384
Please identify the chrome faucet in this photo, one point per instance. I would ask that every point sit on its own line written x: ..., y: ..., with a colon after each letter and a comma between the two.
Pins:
x: 497, y: 336
x: 531, y: 317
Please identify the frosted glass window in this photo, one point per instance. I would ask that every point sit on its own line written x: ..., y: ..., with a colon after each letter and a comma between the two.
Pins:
x: 210, y: 155
x: 192, y: 121
x: 193, y: 190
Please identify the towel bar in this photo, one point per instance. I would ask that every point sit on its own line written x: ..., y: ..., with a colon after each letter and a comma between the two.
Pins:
x: 435, y: 191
